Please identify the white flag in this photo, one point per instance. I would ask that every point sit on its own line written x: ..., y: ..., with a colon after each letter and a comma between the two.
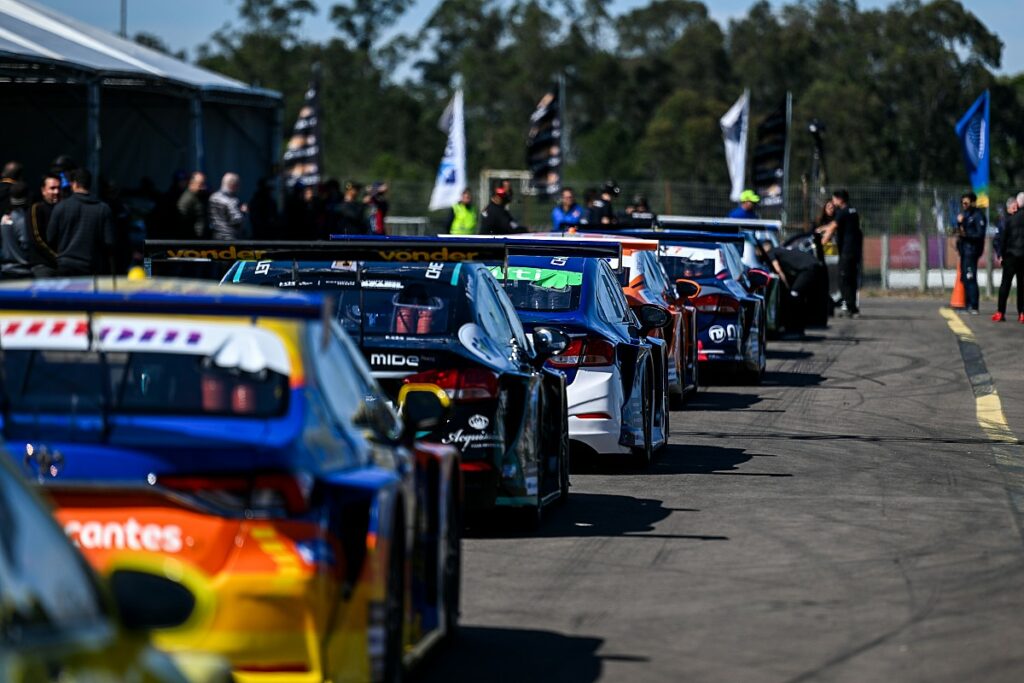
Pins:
x: 734, y: 132
x: 451, y: 175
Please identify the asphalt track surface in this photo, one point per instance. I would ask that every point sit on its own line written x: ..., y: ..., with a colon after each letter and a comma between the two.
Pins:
x: 845, y: 521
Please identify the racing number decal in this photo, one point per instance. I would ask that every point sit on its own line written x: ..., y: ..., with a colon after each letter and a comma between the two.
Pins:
x: 559, y: 261
x: 263, y: 267
x: 434, y: 271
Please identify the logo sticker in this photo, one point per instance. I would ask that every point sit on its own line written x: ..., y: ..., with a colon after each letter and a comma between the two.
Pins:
x: 477, y: 343
x: 717, y: 333
x: 479, y: 422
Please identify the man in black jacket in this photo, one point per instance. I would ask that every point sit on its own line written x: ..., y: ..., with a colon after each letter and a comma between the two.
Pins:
x: 970, y: 227
x: 1010, y: 248
x: 81, y: 230
x: 495, y: 219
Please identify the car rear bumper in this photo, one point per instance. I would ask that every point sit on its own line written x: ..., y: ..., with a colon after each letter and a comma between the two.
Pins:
x: 595, y: 410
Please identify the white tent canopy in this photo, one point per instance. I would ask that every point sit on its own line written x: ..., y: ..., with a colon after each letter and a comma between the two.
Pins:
x: 125, y: 110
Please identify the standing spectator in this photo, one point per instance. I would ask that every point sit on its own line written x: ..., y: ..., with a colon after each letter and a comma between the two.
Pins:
x: 495, y: 219
x: 81, y: 230
x: 462, y: 215
x: 192, y: 208
x: 378, y: 201
x: 352, y: 211
x: 601, y: 211
x: 15, y: 235
x: 567, y: 213
x: 1010, y: 248
x: 11, y: 174
x: 227, y: 213
x: 748, y: 202
x: 263, y: 211
x: 44, y: 254
x: 970, y: 228
x: 845, y: 227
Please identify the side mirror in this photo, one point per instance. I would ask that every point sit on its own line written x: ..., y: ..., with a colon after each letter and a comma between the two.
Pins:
x: 548, y: 342
x: 652, y: 317
x: 758, y: 278
x: 424, y: 408
x: 147, y: 600
x: 687, y: 289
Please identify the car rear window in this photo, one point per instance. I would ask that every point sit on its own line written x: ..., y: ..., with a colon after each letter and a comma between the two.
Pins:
x: 75, y: 382
x: 541, y: 289
x: 691, y: 262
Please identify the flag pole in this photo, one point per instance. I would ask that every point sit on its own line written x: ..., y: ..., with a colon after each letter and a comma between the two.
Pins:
x: 785, y: 158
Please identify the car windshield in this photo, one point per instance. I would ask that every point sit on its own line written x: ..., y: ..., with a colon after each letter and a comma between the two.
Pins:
x: 541, y: 289
x: 78, y: 381
x: 415, y: 299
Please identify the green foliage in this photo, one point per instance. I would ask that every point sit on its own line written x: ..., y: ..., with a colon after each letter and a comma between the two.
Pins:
x: 645, y: 89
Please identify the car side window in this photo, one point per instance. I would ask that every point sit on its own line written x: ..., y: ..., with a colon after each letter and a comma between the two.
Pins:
x: 493, y: 321
x: 653, y: 275
x: 512, y: 318
x: 45, y: 587
x: 620, y: 307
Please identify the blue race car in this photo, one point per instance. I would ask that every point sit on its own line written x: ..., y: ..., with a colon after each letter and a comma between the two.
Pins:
x: 617, y: 396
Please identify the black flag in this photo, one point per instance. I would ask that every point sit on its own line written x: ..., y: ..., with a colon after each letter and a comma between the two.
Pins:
x: 302, y: 158
x: 544, y: 145
x: 770, y: 157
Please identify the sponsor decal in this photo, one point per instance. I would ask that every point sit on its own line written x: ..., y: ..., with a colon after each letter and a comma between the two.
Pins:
x: 478, y: 422
x: 463, y: 440
x: 229, y: 254
x: 477, y: 343
x: 531, y: 486
x: 131, y: 535
x: 394, y: 360
x: 442, y: 254
x: 378, y: 284
x: 719, y: 334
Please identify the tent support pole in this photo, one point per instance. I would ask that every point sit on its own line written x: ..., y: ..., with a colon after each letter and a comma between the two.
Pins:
x: 92, y: 131
x: 198, y: 149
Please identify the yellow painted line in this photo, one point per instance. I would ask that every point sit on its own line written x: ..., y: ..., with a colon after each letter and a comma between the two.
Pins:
x: 987, y: 406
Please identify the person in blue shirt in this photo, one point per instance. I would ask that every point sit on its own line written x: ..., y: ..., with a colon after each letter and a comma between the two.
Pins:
x: 748, y: 200
x: 567, y: 213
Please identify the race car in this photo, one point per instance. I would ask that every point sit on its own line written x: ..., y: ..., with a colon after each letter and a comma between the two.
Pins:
x: 617, y: 394
x: 60, y: 622
x: 730, y: 309
x: 424, y: 312
x: 238, y: 432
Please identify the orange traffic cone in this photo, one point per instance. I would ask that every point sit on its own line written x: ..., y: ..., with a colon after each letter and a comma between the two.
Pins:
x: 959, y: 297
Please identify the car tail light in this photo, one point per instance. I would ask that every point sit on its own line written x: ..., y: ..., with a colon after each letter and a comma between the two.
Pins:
x: 593, y: 416
x: 467, y: 384
x: 716, y: 303
x: 700, y: 351
x: 585, y: 352
x: 272, y: 492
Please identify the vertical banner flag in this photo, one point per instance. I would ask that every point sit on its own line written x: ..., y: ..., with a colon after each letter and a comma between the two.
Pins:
x: 544, y: 145
x: 734, y: 132
x: 769, y: 164
x: 302, y: 158
x: 451, y: 175
x: 973, y: 131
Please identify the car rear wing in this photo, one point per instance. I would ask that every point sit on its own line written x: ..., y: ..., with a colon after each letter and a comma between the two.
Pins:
x: 681, y: 236
x: 712, y: 224
x: 168, y: 298
x: 378, y: 248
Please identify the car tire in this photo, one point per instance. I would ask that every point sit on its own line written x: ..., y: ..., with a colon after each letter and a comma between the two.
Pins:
x: 452, y: 577
x: 394, y: 610
x: 642, y: 456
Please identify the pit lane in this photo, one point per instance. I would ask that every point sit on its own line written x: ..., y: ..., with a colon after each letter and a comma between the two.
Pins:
x: 845, y: 521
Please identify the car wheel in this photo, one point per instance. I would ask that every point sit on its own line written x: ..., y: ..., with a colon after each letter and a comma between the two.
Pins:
x: 643, y: 455
x: 452, y: 580
x: 394, y: 609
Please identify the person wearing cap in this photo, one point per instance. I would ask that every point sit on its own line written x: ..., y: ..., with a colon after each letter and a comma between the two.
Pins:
x: 601, y: 211
x: 567, y: 213
x: 15, y: 235
x: 10, y: 175
x: 352, y: 211
x: 462, y: 215
x: 748, y: 201
x: 495, y: 219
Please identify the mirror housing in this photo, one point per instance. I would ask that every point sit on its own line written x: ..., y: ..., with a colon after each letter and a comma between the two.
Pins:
x: 687, y: 289
x: 424, y: 408
x: 652, y: 317
x: 148, y: 600
x: 758, y: 278
x: 548, y: 342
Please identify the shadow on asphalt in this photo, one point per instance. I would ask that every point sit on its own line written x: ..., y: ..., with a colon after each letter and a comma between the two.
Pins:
x: 684, y: 459
x: 777, y: 354
x: 509, y: 655
x: 784, y: 378
x: 722, y: 400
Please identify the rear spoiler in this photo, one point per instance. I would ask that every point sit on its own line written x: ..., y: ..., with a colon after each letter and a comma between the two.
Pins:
x: 80, y: 297
x: 680, y: 236
x: 711, y: 224
x: 382, y: 248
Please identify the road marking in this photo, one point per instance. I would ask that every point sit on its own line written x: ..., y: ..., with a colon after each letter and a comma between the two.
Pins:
x: 988, y: 409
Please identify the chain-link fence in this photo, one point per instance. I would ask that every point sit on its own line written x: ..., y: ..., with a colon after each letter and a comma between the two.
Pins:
x: 907, y: 227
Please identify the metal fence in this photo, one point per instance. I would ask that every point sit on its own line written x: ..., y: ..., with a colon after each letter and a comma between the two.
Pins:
x: 907, y: 227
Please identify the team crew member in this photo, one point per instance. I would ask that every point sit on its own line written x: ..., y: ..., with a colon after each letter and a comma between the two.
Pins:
x: 44, y: 256
x: 567, y: 212
x: 16, y: 235
x: 495, y: 218
x: 800, y: 272
x: 601, y: 211
x: 845, y: 228
x: 970, y: 227
x: 748, y: 202
x: 1010, y: 248
x: 81, y: 230
x: 462, y: 215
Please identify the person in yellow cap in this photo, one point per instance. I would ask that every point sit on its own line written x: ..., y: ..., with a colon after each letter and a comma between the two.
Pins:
x: 748, y: 200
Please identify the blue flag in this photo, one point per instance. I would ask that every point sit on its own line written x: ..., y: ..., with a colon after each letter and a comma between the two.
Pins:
x: 973, y: 131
